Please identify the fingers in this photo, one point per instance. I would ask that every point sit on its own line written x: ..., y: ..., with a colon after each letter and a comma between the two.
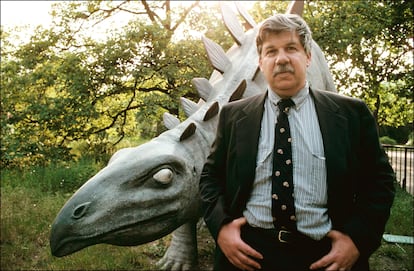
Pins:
x: 321, y: 263
x: 342, y: 256
x: 331, y: 262
x: 249, y: 251
x: 242, y: 255
x: 241, y: 221
x: 243, y: 261
x: 235, y: 249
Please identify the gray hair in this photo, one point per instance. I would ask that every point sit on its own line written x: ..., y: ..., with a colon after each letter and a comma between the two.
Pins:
x: 285, y: 22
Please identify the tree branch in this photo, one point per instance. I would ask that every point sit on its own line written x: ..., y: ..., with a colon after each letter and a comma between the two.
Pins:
x: 152, y: 15
x: 184, y: 15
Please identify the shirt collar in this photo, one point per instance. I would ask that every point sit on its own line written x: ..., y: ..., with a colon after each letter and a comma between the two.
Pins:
x: 298, y: 99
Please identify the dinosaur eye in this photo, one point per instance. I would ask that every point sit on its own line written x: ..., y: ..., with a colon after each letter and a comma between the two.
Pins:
x: 163, y: 176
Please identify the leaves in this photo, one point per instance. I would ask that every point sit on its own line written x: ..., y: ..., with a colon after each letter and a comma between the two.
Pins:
x: 369, y: 44
x: 64, y: 85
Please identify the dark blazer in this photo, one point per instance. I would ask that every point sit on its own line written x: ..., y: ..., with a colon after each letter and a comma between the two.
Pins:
x: 359, y: 177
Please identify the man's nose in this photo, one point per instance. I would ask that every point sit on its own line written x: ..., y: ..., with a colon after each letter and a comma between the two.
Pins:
x: 282, y: 58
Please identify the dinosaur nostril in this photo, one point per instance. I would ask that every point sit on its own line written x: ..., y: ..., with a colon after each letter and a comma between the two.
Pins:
x: 80, y: 210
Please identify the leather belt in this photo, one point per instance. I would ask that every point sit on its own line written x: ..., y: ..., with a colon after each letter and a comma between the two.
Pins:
x: 288, y: 237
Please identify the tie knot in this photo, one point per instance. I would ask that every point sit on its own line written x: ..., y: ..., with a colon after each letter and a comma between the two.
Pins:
x: 285, y: 104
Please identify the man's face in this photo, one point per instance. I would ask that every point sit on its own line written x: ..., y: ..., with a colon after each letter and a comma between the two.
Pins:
x: 283, y: 62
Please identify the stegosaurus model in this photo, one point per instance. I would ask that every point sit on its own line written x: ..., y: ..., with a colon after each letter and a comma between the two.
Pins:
x: 149, y: 191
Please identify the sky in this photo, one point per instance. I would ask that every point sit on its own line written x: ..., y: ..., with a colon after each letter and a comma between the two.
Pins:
x: 30, y: 14
x: 33, y: 13
x: 20, y: 13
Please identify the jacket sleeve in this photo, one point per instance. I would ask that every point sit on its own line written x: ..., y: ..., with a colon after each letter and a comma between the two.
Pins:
x: 374, y: 192
x: 212, y: 182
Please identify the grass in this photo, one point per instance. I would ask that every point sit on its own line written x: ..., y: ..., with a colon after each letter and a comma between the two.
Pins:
x: 31, y: 199
x: 62, y: 177
x: 393, y: 256
x: 24, y: 244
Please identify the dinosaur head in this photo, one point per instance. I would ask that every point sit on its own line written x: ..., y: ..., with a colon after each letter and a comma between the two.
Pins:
x: 142, y: 194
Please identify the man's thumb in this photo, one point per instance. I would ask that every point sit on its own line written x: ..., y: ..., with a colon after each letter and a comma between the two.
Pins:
x: 241, y: 221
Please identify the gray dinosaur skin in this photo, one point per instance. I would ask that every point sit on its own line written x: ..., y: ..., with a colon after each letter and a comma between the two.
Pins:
x: 121, y: 205
x: 127, y: 203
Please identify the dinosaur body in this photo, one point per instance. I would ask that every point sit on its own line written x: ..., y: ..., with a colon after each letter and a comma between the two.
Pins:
x: 149, y: 191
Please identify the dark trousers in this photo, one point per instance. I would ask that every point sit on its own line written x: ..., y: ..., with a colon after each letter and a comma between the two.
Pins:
x: 282, y: 256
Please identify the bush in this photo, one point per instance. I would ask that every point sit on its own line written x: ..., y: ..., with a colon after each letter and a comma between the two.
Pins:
x: 410, y: 141
x: 63, y: 176
x: 27, y: 214
x: 388, y: 140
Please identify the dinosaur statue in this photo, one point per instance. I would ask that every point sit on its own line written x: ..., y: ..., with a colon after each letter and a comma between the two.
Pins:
x: 149, y: 191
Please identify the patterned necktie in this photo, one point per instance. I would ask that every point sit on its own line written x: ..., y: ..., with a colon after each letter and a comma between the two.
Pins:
x: 283, y: 207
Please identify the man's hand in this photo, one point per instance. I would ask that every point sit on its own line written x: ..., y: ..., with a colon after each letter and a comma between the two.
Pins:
x: 237, y: 252
x: 342, y: 256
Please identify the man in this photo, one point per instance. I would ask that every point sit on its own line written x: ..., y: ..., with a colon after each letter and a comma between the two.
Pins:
x: 342, y: 181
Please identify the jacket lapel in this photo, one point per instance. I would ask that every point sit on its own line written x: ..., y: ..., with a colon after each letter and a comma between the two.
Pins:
x: 247, y: 138
x: 334, y: 127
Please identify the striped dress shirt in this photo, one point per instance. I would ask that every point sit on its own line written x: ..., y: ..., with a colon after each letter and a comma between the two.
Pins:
x: 309, y: 169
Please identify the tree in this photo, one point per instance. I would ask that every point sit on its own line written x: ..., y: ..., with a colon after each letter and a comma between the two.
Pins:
x: 63, y: 86
x: 369, y: 45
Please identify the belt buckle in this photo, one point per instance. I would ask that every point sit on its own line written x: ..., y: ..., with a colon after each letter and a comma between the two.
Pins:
x: 279, y: 237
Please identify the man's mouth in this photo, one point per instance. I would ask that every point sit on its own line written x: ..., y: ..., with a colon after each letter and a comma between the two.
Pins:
x: 283, y: 69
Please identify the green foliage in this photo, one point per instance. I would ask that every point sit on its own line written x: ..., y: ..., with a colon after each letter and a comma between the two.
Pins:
x: 64, y: 177
x: 62, y: 87
x: 410, y: 141
x: 25, y: 228
x: 400, y: 134
x: 400, y: 223
x: 30, y: 206
x: 369, y: 48
x: 264, y: 9
x: 387, y: 140
x: 207, y: 19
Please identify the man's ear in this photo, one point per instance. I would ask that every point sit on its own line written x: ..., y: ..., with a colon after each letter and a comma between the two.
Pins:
x: 309, y: 59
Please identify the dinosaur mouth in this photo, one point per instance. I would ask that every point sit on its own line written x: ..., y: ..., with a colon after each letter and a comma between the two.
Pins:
x: 127, y: 235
